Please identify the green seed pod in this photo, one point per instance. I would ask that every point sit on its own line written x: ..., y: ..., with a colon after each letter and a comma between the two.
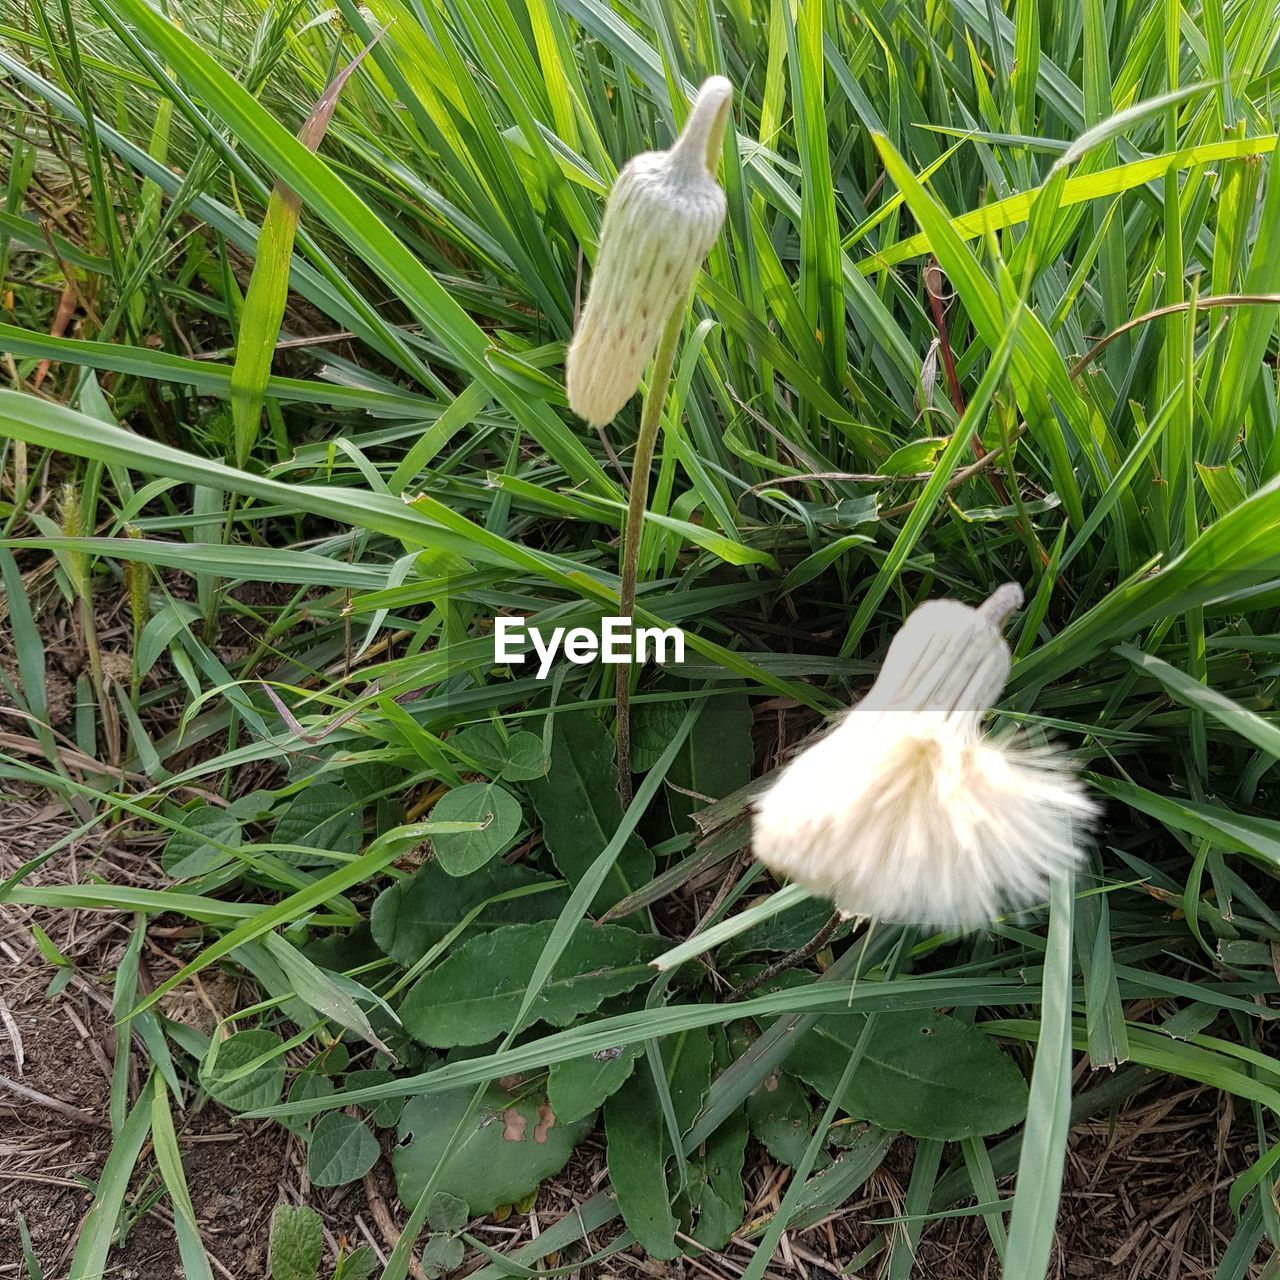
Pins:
x: 76, y: 562
x: 663, y: 216
x: 138, y: 576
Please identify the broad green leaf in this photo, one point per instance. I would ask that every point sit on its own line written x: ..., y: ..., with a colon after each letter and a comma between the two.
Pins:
x: 485, y: 744
x: 787, y: 931
x: 509, y: 1146
x: 578, y: 804
x: 515, y: 758
x: 780, y: 1116
x: 359, y: 1264
x: 525, y: 758
x: 923, y: 1073
x: 341, y: 1150
x: 323, y: 817
x: 384, y: 1114
x: 310, y: 1083
x: 652, y: 724
x: 917, y: 993
x: 637, y: 1155
x: 475, y: 994
x: 715, y: 761
x: 414, y: 914
x: 715, y: 1198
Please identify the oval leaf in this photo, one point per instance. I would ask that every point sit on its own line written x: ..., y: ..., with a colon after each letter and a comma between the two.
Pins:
x: 508, y: 1147
x: 460, y: 852
x: 474, y: 995
x: 260, y: 1087
x: 923, y: 1073
x: 413, y: 915
x: 195, y: 849
x: 342, y: 1149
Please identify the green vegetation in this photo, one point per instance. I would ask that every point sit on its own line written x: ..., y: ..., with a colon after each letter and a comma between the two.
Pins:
x: 283, y: 428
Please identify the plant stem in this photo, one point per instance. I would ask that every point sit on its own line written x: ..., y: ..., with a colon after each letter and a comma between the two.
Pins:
x: 637, y: 499
x: 792, y: 959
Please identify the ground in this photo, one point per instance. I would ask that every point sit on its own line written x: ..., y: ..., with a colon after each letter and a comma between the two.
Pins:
x: 1146, y: 1190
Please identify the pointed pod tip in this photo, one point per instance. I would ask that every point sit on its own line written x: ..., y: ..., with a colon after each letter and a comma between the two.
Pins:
x: 716, y: 89
x: 702, y: 138
x: 1001, y: 603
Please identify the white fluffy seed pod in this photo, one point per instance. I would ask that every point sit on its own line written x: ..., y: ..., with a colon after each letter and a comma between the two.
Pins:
x: 662, y: 218
x: 905, y: 811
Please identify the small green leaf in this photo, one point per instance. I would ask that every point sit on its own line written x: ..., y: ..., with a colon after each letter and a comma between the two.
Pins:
x: 323, y: 817
x: 780, y: 1117
x: 516, y: 758
x: 342, y: 1149
x: 442, y: 1255
x: 474, y: 995
x: 360, y: 1264
x: 484, y: 744
x: 296, y: 1243
x: 260, y: 1087
x: 914, y: 457
x: 653, y: 724
x: 385, y: 1113
x: 447, y: 1213
x: 308, y: 1084
x: 195, y: 850
x: 578, y: 1087
x: 460, y: 852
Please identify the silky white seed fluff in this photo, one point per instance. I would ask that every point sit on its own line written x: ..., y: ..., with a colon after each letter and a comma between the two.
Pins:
x: 905, y: 811
x: 662, y: 217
